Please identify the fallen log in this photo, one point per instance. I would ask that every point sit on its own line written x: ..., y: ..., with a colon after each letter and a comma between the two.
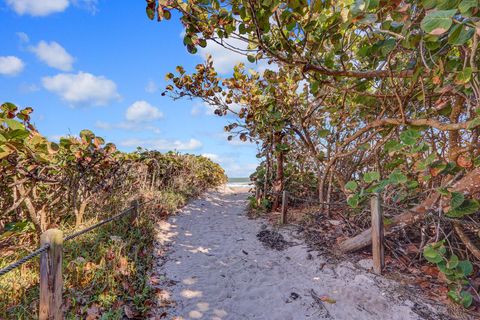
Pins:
x: 468, y: 185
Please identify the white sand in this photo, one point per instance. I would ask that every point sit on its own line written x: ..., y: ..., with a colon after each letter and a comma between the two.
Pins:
x: 216, y: 269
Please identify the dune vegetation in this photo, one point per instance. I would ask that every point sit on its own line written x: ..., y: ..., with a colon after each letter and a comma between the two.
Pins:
x: 72, y: 184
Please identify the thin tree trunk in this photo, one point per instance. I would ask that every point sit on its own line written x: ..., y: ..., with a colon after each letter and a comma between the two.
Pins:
x: 80, y: 213
x: 278, y: 185
x: 32, y: 212
x: 329, y: 192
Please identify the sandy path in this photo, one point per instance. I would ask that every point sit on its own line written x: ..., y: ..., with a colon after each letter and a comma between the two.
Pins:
x: 218, y: 270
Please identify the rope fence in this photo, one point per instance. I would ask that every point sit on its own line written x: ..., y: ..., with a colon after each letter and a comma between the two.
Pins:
x: 51, y: 253
x: 18, y: 263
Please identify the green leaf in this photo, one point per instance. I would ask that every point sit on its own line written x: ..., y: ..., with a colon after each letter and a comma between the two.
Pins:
x: 202, y: 43
x: 351, y: 186
x: 396, y: 177
x: 446, y: 4
x: 353, y: 201
x: 14, y: 124
x: 452, y: 294
x: 19, y: 134
x: 392, y: 146
x: 371, y: 176
x: 314, y: 86
x: 167, y: 15
x: 452, y: 262
x: 151, y: 12
x: 438, y: 22
x: 5, y: 151
x: 443, y: 191
x: 466, y: 267
x: 464, y: 76
x: 410, y: 136
x: 457, y: 199
x: 369, y: 18
x: 422, y: 165
x: 466, y: 299
x: 429, y: 4
x: 460, y: 34
x: 191, y: 49
x: 466, y: 5
x: 431, y: 255
x: 473, y: 124
x: 251, y: 58
x: 323, y: 133
x: 87, y: 135
x: 466, y: 208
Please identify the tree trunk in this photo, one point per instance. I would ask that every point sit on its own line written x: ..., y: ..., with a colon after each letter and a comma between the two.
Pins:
x: 267, y: 174
x: 329, y: 192
x: 32, y: 212
x: 278, y: 185
x: 80, y: 213
x: 468, y: 185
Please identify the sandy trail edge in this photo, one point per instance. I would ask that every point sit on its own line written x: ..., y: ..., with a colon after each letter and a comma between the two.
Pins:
x: 216, y: 269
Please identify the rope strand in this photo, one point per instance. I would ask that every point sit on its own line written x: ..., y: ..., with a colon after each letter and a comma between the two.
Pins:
x: 44, y: 248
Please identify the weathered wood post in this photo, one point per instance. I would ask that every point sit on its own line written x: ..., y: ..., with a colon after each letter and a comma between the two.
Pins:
x: 51, y: 279
x: 134, y: 215
x: 377, y: 234
x: 283, y: 216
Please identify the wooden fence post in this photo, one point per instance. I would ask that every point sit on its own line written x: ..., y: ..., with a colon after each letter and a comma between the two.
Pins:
x: 283, y: 216
x: 377, y: 234
x: 257, y: 195
x: 51, y: 281
x: 134, y: 204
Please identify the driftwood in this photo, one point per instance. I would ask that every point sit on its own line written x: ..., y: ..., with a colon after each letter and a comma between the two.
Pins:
x: 468, y: 185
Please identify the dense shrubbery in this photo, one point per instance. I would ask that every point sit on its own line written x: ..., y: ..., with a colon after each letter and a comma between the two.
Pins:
x: 76, y: 182
x: 363, y: 96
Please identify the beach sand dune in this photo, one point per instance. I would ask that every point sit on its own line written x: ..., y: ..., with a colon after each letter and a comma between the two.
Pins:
x: 216, y: 268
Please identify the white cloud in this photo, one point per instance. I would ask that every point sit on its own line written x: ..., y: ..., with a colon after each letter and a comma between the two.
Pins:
x: 10, y: 65
x: 89, y: 5
x: 57, y: 137
x: 38, y: 7
x: 225, y: 59
x: 28, y: 87
x: 196, y: 110
x: 82, y: 87
x: 209, y: 110
x: 41, y: 8
x: 231, y: 164
x: 237, y: 170
x: 23, y: 37
x: 151, y: 87
x: 223, y: 136
x: 163, y: 144
x: 211, y: 156
x: 54, y: 55
x: 137, y: 117
x: 142, y: 111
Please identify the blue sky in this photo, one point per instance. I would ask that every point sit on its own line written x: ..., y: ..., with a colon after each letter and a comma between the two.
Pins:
x: 100, y: 64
